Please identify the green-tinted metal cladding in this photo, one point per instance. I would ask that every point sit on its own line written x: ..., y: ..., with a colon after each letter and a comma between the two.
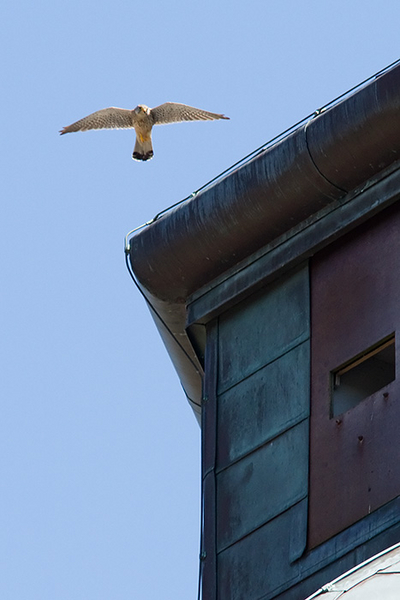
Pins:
x: 256, y: 410
x: 262, y: 427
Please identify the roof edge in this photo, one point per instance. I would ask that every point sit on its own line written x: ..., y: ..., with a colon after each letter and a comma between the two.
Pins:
x: 309, y: 170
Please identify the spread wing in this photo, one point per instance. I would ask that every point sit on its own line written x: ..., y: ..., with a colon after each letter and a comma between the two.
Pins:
x: 171, y: 112
x: 106, y: 118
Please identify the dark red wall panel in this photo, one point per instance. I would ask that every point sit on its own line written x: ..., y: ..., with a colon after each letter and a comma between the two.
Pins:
x: 355, y: 303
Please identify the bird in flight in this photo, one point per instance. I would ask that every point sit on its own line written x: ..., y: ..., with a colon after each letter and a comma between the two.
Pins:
x: 141, y: 119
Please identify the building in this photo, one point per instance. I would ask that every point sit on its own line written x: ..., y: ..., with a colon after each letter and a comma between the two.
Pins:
x: 276, y: 292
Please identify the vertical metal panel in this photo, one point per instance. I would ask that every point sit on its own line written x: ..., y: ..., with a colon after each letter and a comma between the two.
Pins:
x: 258, y: 565
x: 209, y: 418
x: 208, y: 555
x: 263, y: 327
x: 264, y: 405
x: 355, y: 457
x: 298, y: 530
x: 262, y: 485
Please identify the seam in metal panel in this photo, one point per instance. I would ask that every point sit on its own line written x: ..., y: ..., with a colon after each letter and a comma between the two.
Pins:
x: 315, y: 164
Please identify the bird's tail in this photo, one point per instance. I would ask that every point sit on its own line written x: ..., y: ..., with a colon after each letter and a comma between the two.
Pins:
x: 143, y: 149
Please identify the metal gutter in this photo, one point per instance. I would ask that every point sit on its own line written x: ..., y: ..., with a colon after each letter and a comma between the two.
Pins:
x: 312, y: 168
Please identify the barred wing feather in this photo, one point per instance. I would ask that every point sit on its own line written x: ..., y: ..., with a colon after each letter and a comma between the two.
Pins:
x: 107, y: 118
x: 172, y: 112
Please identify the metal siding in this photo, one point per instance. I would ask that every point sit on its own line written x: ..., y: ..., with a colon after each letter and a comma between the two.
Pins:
x: 262, y: 485
x: 298, y: 530
x: 305, y: 586
x: 267, y: 325
x: 271, y: 559
x: 263, y: 405
x: 258, y: 565
x: 355, y: 458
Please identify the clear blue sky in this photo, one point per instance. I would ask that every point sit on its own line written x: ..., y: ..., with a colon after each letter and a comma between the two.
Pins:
x: 99, y: 451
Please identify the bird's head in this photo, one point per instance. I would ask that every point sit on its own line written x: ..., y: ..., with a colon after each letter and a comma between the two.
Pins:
x: 141, y: 109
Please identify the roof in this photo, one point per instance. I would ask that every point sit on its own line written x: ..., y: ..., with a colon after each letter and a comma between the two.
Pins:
x: 309, y: 171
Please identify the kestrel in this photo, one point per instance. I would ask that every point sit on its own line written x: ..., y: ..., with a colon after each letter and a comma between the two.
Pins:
x: 142, y: 118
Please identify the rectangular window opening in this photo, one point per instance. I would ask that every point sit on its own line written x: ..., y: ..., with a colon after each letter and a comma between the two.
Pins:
x: 364, y: 375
